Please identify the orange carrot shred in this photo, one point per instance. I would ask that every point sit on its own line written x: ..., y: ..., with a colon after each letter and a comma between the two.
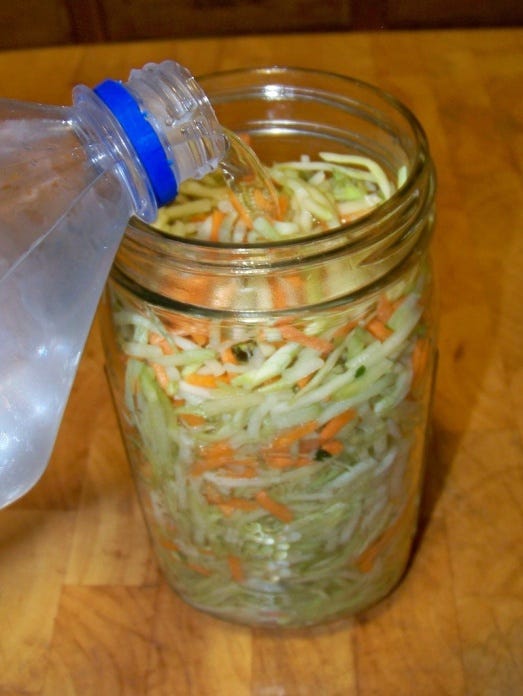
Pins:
x: 291, y: 333
x: 283, y: 205
x: 202, y: 570
x: 198, y: 380
x: 279, y: 300
x: 168, y: 544
x: 278, y: 510
x: 303, y: 381
x: 199, y: 338
x: 200, y: 466
x: 240, y: 209
x: 156, y: 339
x: 284, y: 460
x: 378, y: 329
x: 309, y: 445
x: 333, y: 447
x: 218, y: 449
x: 192, y: 419
x: 224, y: 378
x: 261, y: 202
x: 287, y: 437
x: 161, y: 375
x: 332, y: 427
x: 228, y: 356
x: 216, y: 221
x: 345, y: 329
x: 211, y: 458
x: 236, y: 568
x: 385, y: 309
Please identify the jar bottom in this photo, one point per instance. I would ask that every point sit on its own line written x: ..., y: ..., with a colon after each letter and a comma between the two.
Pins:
x: 295, y: 607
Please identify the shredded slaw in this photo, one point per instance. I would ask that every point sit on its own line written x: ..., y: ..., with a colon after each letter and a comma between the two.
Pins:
x: 279, y: 463
x: 314, y: 196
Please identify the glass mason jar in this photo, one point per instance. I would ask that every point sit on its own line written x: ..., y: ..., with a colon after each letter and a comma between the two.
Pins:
x: 274, y: 397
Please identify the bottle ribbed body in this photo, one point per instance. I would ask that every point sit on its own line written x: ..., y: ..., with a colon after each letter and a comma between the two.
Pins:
x: 71, y: 177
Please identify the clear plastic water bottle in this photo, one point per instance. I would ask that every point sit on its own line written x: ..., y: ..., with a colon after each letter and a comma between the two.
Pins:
x: 70, y: 179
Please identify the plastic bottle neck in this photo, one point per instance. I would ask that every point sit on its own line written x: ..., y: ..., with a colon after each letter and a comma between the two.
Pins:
x: 158, y: 129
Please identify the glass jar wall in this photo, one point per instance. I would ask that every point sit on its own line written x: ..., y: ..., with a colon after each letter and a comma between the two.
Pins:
x: 274, y: 396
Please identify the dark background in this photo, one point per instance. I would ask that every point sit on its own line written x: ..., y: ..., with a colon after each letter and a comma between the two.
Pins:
x: 53, y: 22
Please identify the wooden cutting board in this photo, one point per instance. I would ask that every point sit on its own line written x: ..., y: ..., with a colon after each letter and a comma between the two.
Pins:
x: 83, y: 607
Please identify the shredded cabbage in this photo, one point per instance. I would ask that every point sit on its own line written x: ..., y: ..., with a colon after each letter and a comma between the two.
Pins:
x: 315, y: 195
x: 279, y: 470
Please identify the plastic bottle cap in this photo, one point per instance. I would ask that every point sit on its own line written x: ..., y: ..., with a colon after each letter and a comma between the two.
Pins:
x: 142, y: 137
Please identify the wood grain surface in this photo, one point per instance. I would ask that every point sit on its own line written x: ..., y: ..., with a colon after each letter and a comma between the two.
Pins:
x: 83, y: 608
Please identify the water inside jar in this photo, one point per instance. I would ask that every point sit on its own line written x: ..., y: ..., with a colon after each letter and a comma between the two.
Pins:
x: 246, y: 177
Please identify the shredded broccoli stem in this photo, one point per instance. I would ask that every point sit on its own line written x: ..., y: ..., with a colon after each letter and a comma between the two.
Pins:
x: 279, y: 470
x: 320, y: 195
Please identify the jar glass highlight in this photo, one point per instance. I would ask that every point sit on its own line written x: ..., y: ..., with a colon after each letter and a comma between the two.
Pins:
x: 274, y: 398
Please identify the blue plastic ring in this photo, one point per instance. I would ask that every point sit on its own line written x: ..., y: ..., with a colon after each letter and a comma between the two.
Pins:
x: 142, y: 137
